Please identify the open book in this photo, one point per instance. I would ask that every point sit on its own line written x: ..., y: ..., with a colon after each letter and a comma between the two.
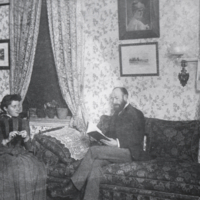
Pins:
x: 95, y: 132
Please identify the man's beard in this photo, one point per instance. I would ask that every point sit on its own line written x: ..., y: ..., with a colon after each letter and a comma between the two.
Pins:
x: 119, y: 107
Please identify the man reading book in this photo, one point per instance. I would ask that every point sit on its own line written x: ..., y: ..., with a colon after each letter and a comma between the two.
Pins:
x: 125, y: 132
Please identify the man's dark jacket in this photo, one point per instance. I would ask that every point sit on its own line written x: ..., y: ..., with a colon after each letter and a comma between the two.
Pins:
x: 129, y: 128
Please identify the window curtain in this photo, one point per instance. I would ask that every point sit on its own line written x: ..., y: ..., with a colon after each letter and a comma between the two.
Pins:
x: 24, y: 27
x: 67, y: 39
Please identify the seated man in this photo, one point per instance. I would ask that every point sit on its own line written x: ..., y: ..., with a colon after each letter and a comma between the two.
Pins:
x: 126, y: 133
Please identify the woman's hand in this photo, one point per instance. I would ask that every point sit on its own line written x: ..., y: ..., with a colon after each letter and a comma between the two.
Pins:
x: 24, y: 135
x: 11, y: 136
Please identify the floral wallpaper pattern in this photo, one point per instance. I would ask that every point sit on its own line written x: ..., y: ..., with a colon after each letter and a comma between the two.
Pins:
x: 4, y: 34
x: 157, y: 96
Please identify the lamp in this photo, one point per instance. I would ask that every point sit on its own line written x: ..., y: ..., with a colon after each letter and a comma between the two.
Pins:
x: 176, y: 52
x: 183, y: 76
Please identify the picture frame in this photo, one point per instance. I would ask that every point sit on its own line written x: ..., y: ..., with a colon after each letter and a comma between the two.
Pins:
x: 198, y: 76
x: 138, y: 19
x: 139, y: 59
x: 4, y: 54
x: 4, y: 2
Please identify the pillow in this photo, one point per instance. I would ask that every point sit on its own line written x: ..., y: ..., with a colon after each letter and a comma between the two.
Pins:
x: 54, y: 146
x: 174, y: 139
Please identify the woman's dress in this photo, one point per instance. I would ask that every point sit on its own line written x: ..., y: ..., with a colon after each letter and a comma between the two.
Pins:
x: 22, y: 176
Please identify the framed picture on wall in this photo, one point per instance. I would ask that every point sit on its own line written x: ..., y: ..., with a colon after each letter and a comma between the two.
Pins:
x: 138, y: 19
x: 4, y: 2
x: 139, y: 59
x: 198, y: 76
x: 4, y: 54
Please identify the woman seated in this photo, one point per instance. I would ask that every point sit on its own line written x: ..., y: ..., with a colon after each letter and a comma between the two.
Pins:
x: 22, y: 176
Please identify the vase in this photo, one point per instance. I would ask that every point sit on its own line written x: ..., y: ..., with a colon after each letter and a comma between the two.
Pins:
x: 62, y: 113
x: 50, y: 112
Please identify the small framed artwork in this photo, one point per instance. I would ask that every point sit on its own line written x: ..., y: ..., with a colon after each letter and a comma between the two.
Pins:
x: 4, y: 2
x: 139, y: 59
x: 138, y: 19
x: 4, y: 54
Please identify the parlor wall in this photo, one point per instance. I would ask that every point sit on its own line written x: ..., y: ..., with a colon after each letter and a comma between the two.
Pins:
x: 157, y: 96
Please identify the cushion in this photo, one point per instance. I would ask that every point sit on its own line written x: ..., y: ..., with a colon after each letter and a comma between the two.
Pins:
x: 45, y: 155
x: 174, y: 139
x: 54, y: 146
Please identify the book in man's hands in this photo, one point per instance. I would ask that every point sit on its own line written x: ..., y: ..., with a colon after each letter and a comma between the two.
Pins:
x: 95, y: 132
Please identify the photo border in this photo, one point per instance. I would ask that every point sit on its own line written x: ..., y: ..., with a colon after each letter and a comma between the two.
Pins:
x: 154, y: 32
x: 121, y: 58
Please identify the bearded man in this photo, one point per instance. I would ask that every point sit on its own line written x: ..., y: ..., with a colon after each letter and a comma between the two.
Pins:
x: 126, y: 133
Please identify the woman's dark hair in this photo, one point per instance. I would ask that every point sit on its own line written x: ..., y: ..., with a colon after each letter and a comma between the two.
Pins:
x: 7, y: 100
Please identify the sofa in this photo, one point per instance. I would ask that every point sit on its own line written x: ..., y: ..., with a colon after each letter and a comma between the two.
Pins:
x: 172, y: 173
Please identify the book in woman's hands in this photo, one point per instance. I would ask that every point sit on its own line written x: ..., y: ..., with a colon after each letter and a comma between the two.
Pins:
x: 95, y: 132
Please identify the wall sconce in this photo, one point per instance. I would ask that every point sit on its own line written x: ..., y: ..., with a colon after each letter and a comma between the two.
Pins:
x: 177, y: 52
x: 183, y: 76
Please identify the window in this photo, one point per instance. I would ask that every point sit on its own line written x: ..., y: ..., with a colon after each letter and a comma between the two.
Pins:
x: 44, y: 85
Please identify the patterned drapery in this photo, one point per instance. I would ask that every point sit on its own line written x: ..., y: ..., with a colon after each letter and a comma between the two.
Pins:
x: 67, y: 38
x: 24, y: 28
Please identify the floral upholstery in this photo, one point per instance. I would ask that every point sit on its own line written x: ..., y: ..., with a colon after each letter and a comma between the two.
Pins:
x: 155, y: 175
x: 173, y: 174
x: 49, y: 147
x: 60, y: 165
x: 179, y: 140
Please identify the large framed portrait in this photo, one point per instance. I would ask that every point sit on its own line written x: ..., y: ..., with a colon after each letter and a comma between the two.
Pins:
x: 139, y: 59
x: 4, y: 54
x: 138, y: 19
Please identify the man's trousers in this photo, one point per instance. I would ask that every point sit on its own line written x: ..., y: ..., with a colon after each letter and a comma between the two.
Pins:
x: 89, y: 171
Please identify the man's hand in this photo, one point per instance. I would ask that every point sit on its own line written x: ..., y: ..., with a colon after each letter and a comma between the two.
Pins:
x: 112, y: 142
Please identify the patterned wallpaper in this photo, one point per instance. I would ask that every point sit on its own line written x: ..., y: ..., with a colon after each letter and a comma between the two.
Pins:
x: 4, y: 34
x: 157, y: 96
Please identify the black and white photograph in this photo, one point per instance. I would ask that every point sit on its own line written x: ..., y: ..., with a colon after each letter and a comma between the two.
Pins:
x: 99, y: 99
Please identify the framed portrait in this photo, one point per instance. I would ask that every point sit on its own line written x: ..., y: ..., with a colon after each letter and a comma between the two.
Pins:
x: 138, y: 19
x: 4, y: 2
x: 4, y: 54
x: 139, y: 59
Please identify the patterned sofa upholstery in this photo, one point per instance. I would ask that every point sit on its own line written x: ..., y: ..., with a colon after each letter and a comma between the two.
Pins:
x: 174, y: 173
